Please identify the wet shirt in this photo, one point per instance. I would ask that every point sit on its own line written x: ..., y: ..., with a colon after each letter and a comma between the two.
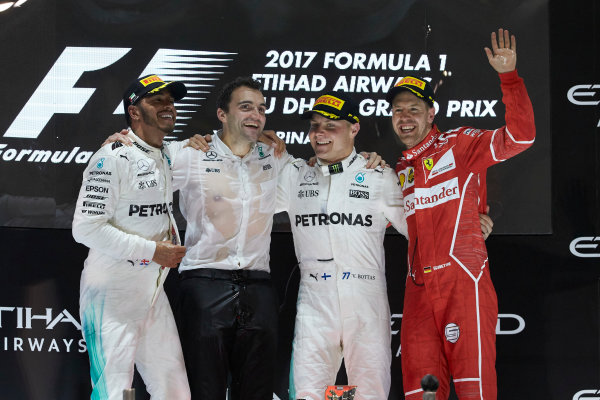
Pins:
x: 228, y: 202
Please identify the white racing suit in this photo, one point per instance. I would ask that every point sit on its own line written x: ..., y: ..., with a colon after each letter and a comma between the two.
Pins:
x: 338, y: 222
x: 124, y: 206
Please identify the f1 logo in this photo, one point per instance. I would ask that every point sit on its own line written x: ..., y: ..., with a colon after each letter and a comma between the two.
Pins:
x: 56, y: 93
x: 578, y: 245
x: 587, y: 395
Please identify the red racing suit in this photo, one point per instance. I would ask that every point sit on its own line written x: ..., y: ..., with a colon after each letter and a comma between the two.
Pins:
x: 450, y: 306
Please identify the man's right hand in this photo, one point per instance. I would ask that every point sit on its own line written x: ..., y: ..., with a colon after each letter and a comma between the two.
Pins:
x: 270, y: 138
x: 168, y: 254
x: 118, y: 137
x: 199, y: 142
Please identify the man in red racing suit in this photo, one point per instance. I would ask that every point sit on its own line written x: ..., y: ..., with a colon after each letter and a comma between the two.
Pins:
x: 450, y: 306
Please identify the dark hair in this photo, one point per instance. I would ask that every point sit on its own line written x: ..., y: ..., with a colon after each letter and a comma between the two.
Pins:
x: 225, y: 95
x: 127, y: 117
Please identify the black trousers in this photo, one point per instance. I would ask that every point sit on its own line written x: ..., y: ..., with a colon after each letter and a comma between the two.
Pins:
x: 227, y: 323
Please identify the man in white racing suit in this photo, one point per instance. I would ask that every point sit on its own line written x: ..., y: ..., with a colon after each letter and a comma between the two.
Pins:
x: 123, y: 215
x: 339, y: 211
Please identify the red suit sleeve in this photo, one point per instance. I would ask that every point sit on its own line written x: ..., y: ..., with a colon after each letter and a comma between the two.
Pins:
x: 483, y: 148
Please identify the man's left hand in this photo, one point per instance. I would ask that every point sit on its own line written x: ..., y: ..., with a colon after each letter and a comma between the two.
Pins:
x: 199, y: 142
x: 486, y: 223
x: 270, y: 138
x: 374, y: 160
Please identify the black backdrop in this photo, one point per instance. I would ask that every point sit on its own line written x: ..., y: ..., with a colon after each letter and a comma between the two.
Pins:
x: 545, y: 253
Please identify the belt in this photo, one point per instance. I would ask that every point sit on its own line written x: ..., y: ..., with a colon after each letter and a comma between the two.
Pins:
x: 236, y: 275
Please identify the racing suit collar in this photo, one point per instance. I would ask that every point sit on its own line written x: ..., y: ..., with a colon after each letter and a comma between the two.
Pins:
x: 423, y: 145
x: 223, y: 149
x: 338, y: 167
x: 145, y: 147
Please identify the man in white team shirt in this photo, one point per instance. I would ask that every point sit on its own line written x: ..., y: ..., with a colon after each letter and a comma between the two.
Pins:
x: 123, y: 215
x: 227, y: 310
x: 339, y: 210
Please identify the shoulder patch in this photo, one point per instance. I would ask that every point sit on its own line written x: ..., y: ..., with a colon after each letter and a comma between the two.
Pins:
x: 298, y: 163
x: 116, y: 145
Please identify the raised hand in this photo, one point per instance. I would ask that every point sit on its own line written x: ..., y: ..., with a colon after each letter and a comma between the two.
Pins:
x: 503, y: 55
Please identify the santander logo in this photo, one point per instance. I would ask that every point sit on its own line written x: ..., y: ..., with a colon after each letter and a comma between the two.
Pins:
x: 430, y: 197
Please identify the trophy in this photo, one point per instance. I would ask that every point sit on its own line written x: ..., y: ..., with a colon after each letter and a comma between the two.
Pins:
x: 340, y: 392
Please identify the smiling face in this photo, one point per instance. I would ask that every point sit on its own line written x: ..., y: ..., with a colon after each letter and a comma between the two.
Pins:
x: 332, y: 140
x: 153, y: 117
x: 412, y: 118
x: 245, y: 118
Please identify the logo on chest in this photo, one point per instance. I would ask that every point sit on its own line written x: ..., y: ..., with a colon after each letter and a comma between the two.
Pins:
x: 358, y: 194
x: 444, y: 164
x: 423, y: 198
x: 307, y: 193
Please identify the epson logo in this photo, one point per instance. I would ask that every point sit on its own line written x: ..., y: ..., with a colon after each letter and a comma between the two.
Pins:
x: 587, y: 246
x: 591, y: 394
x: 97, y: 189
x: 57, y: 94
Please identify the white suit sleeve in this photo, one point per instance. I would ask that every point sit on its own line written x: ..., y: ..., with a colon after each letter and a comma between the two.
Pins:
x: 393, y: 202
x: 287, y: 177
x: 96, y: 205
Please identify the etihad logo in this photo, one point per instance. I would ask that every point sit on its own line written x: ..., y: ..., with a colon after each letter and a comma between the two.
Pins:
x: 23, y: 318
x: 585, y: 95
x: 585, y: 247
x: 57, y: 94
x: 330, y: 101
x: 424, y: 198
x: 24, y: 321
x: 591, y: 394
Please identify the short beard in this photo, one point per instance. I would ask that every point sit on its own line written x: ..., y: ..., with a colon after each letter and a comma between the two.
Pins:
x: 148, y: 121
